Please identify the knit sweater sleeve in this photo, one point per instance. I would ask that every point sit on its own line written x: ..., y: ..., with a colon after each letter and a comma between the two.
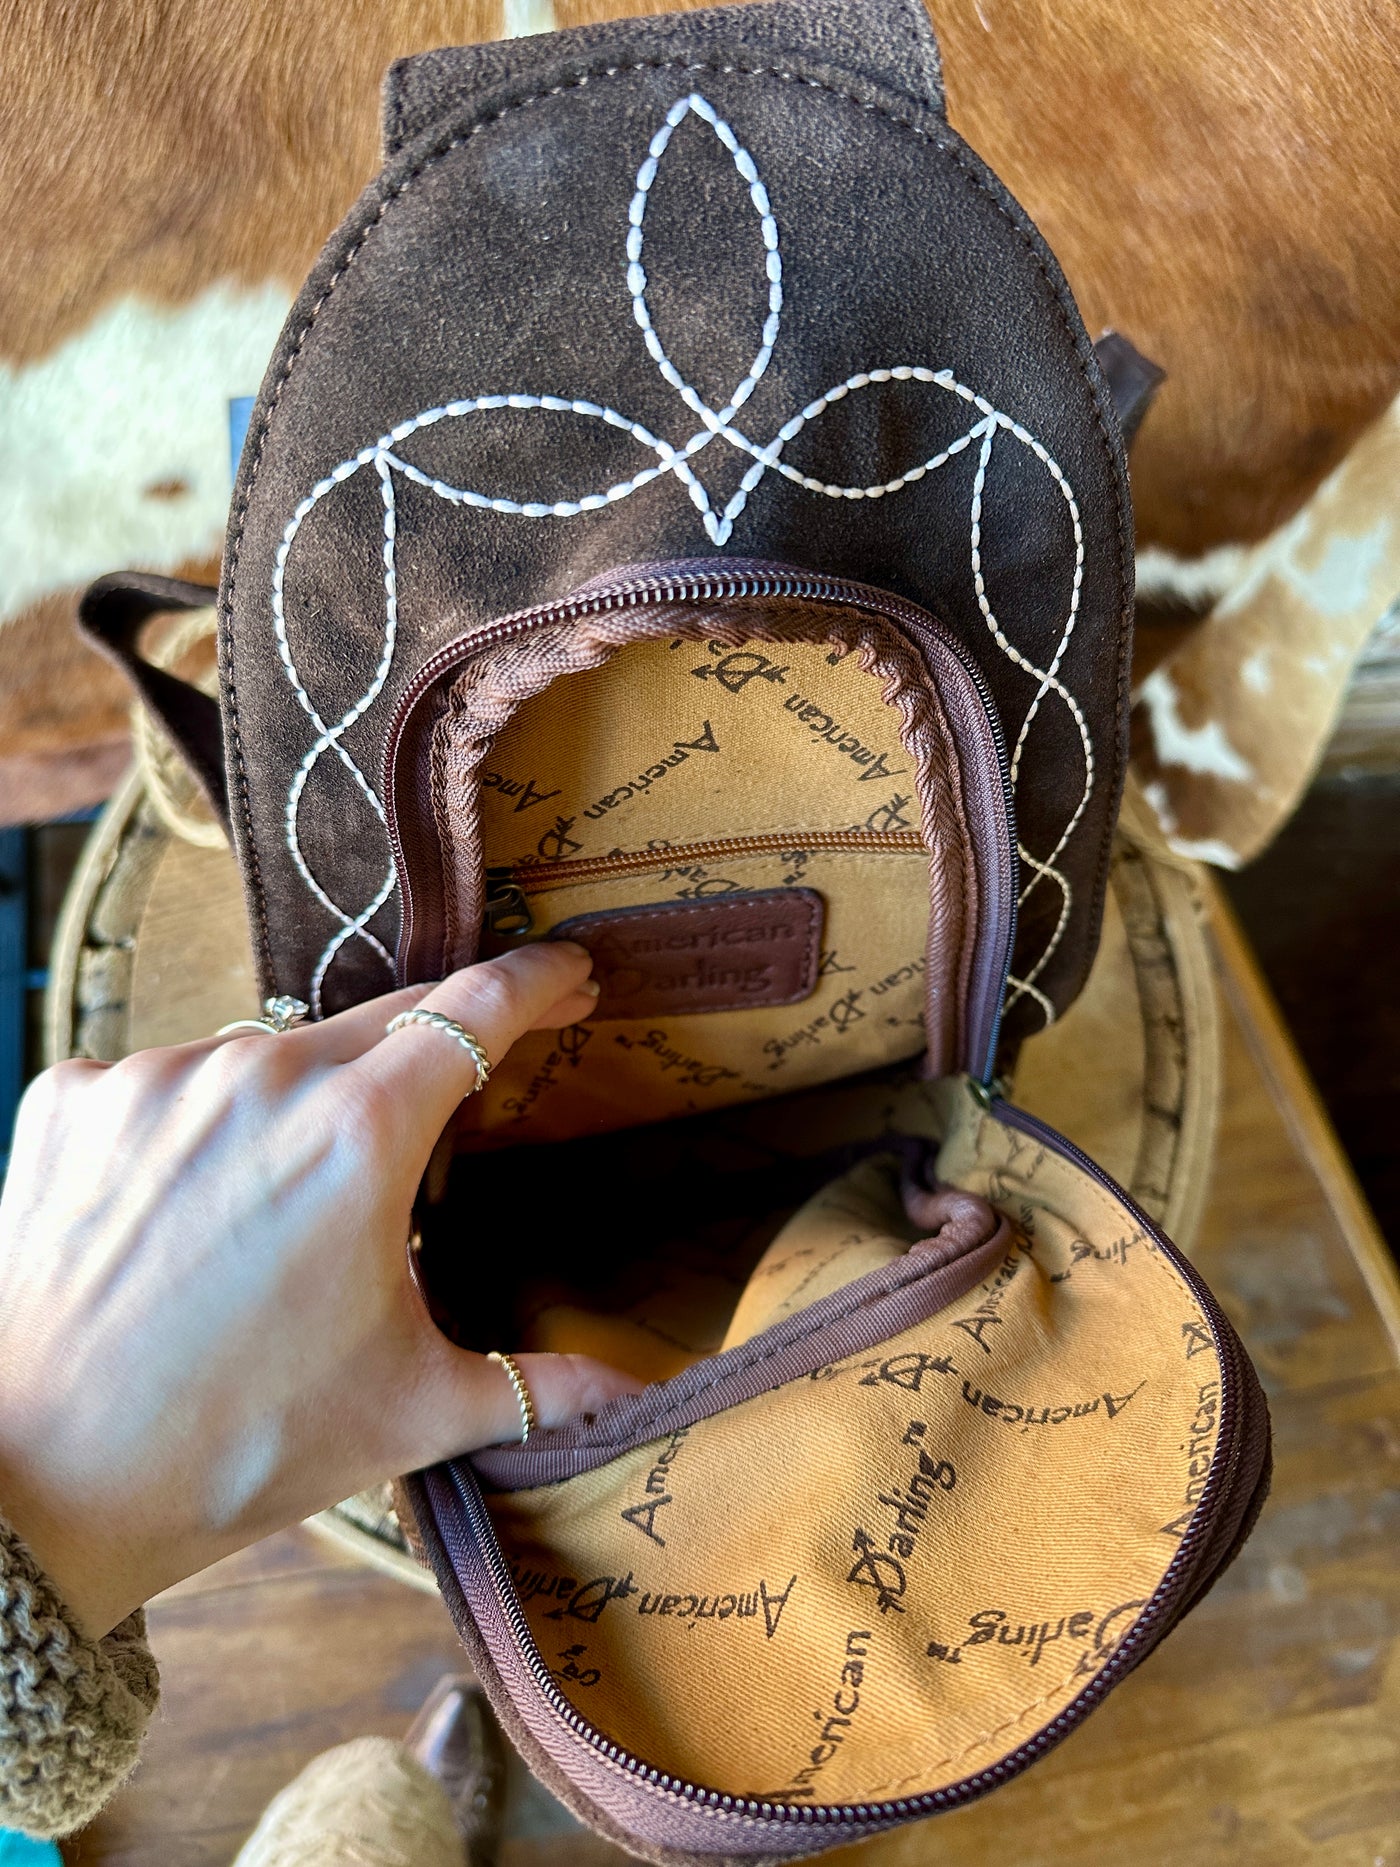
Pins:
x: 73, y: 1711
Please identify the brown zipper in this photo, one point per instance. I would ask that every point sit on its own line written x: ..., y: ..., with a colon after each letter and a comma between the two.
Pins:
x: 508, y: 886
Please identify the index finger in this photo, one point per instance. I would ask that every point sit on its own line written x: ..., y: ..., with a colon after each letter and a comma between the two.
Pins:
x: 496, y: 1001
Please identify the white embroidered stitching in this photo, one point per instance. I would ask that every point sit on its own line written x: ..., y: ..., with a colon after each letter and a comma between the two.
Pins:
x: 718, y: 423
x: 1049, y: 682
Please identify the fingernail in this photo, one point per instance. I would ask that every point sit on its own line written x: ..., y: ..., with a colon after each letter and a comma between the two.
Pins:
x: 591, y: 988
x: 572, y: 946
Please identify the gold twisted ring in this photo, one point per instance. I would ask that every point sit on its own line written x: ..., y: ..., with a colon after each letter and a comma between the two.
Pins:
x: 529, y: 1420
x: 279, y: 1015
x: 436, y: 1021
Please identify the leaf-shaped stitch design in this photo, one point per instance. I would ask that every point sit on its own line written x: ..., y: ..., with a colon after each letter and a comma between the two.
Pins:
x: 387, y: 459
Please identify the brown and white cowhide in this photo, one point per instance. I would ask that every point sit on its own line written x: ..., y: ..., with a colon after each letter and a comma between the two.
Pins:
x: 1228, y: 729
x: 1218, y: 182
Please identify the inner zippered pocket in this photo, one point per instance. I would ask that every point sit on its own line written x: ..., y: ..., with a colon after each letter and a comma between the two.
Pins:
x: 508, y: 890
x: 710, y: 736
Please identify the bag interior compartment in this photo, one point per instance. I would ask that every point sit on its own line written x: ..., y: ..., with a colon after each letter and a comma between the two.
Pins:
x: 733, y: 756
x: 874, y: 1580
x: 638, y: 1245
x: 893, y: 1508
x: 708, y: 767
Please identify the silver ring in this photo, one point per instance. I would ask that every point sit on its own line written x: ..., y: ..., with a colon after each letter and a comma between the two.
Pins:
x: 529, y: 1419
x: 279, y: 1015
x: 436, y: 1021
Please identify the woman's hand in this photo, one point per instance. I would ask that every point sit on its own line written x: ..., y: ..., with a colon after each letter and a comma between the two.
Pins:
x: 208, y: 1325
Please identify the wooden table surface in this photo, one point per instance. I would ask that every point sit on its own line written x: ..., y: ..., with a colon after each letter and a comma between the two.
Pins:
x: 1265, y: 1731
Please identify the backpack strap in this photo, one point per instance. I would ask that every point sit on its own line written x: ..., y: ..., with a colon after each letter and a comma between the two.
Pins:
x: 111, y: 615
x: 1133, y: 380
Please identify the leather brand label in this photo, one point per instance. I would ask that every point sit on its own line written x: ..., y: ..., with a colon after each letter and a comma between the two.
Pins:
x: 740, y: 953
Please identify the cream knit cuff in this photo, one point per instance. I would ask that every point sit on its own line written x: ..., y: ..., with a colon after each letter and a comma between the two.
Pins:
x: 73, y: 1711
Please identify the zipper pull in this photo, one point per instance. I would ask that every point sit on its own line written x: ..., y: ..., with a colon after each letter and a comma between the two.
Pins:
x: 507, y: 912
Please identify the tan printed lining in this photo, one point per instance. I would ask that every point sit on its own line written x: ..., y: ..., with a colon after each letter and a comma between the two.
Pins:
x: 876, y: 1581
x: 687, y: 740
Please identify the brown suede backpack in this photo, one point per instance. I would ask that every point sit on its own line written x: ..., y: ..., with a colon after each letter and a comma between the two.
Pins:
x: 686, y: 513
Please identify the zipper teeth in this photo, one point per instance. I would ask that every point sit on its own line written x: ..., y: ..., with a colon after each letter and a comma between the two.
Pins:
x: 535, y: 875
x: 1168, y: 1594
x: 710, y: 590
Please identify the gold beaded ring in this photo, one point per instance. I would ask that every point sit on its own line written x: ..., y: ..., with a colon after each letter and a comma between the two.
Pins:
x: 437, y: 1021
x: 529, y: 1420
